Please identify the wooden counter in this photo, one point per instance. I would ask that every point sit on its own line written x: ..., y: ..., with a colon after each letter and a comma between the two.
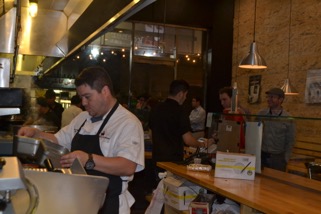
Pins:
x: 271, y: 192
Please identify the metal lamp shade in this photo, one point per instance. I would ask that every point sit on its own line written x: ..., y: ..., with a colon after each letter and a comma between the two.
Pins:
x: 253, y: 60
x: 288, y: 88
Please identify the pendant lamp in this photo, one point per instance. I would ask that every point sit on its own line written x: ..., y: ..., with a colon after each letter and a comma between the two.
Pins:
x: 253, y: 60
x: 287, y: 86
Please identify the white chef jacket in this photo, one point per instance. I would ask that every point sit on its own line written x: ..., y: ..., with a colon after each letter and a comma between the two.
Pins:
x: 123, y: 136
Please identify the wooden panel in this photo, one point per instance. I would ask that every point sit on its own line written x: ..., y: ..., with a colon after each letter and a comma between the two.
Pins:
x: 308, y: 145
x: 305, y: 152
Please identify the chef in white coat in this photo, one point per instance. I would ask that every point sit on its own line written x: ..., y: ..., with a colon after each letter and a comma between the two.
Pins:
x: 106, y: 138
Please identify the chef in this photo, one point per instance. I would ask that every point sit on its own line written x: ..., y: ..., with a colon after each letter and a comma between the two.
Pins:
x: 106, y: 138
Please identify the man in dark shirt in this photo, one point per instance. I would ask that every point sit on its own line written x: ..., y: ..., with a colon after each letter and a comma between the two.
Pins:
x: 171, y: 127
x: 54, y: 106
x: 45, y: 115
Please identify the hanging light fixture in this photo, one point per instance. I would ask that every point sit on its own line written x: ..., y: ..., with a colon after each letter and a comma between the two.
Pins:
x: 287, y: 86
x: 33, y: 8
x: 253, y: 60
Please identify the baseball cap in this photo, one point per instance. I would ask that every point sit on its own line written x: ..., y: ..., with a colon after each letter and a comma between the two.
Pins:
x: 275, y: 91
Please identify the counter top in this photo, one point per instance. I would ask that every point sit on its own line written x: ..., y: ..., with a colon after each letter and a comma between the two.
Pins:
x: 271, y: 192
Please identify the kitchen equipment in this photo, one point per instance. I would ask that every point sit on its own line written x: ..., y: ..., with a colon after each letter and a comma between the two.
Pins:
x: 11, y: 180
x: 34, y: 150
x: 33, y: 190
x: 28, y: 150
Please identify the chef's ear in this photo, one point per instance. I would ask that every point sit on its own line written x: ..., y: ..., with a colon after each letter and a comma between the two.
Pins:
x: 105, y: 90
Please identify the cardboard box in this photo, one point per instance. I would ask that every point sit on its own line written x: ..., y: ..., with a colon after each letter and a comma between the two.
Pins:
x: 202, y: 204
x: 235, y: 165
x: 179, y: 192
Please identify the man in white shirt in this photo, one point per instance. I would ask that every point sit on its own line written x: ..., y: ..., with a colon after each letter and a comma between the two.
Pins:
x: 70, y: 113
x: 197, y: 118
x: 106, y: 138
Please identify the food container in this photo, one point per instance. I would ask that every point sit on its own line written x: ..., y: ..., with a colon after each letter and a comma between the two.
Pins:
x: 53, y: 152
x: 28, y: 150
x: 34, y: 150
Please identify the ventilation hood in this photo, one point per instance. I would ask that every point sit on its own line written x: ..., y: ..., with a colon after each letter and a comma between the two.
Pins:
x: 61, y: 26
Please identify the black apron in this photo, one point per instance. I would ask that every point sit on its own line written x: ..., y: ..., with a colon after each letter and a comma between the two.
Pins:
x: 90, y: 144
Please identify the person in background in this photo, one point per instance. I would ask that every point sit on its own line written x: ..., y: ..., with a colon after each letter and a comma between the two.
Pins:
x: 54, y: 106
x: 70, y: 113
x: 142, y: 103
x: 225, y: 95
x: 45, y: 116
x: 170, y: 127
x: 142, y: 110
x: 106, y: 138
x: 278, y: 135
x: 197, y: 118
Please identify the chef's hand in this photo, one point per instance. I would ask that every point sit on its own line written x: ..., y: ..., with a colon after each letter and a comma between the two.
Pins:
x: 67, y: 160
x: 28, y: 132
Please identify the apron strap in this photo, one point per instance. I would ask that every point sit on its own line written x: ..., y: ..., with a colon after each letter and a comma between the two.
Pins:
x: 108, y: 117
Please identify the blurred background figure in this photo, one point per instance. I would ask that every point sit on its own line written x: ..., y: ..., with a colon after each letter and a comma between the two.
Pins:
x: 142, y: 110
x: 142, y: 103
x: 70, y: 113
x: 45, y: 116
x: 53, y: 105
x: 197, y: 118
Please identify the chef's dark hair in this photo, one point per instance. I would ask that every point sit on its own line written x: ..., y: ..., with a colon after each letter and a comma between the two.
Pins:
x: 96, y: 77
x: 177, y: 86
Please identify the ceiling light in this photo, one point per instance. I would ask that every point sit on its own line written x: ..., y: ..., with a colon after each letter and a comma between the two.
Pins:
x: 253, y: 60
x: 33, y: 8
x: 287, y: 86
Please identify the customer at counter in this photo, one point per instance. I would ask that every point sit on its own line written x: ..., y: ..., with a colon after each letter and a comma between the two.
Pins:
x: 106, y: 138
x: 278, y: 135
x: 225, y: 95
x: 170, y: 126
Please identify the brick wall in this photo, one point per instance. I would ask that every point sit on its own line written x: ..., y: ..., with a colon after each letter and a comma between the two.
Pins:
x: 272, y: 38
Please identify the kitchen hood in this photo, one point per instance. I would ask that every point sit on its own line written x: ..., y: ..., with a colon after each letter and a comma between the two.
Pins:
x: 61, y: 27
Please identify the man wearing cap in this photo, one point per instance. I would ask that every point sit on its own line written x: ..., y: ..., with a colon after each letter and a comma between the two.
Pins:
x: 278, y: 132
